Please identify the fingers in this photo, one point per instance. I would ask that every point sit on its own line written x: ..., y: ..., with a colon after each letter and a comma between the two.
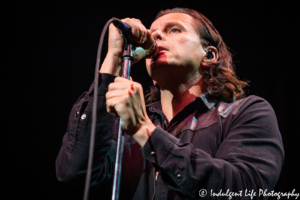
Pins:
x: 119, y: 92
x: 125, y: 99
x: 112, y: 102
x: 115, y: 93
x: 113, y: 61
x: 143, y: 30
x: 138, y: 30
x: 150, y: 40
x: 123, y: 85
x: 118, y: 100
x: 119, y: 83
x: 116, y: 86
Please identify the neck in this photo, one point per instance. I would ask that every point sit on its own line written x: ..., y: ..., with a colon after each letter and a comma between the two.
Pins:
x: 175, y: 98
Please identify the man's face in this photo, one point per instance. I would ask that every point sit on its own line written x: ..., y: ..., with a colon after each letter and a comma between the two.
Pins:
x: 180, y: 51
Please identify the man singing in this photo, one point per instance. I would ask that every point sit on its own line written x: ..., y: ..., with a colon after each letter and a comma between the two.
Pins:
x: 202, y: 134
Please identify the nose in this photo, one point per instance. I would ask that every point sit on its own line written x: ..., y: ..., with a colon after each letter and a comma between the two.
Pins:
x: 158, y: 35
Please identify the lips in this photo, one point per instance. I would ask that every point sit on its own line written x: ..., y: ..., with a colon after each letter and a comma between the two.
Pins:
x: 160, y: 52
x: 161, y: 48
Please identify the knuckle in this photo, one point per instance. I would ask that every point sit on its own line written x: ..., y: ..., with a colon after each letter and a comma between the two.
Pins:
x: 138, y: 85
x: 117, y: 79
x: 108, y: 102
x: 110, y: 86
x: 144, y: 32
x: 108, y: 106
x: 111, y: 26
x: 135, y: 19
x: 125, y: 100
x: 135, y: 30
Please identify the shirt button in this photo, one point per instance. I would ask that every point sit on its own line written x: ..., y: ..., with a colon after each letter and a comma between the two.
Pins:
x: 153, y: 153
x: 179, y: 177
x: 83, y: 116
x: 77, y: 113
x: 152, y: 109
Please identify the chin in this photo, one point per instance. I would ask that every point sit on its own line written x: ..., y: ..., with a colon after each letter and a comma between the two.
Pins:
x: 159, y: 61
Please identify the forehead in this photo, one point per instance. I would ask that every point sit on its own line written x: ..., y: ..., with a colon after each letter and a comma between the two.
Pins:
x: 173, y: 18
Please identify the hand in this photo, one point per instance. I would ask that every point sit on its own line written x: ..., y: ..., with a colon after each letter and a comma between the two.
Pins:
x: 113, y: 61
x: 125, y: 99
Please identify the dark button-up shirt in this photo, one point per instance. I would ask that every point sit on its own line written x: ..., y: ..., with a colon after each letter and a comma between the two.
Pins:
x: 208, y: 146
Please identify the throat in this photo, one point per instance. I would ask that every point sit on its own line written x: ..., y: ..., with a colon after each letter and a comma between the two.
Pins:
x: 173, y: 101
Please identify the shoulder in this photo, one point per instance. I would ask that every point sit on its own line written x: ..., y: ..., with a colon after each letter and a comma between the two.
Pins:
x: 245, y: 104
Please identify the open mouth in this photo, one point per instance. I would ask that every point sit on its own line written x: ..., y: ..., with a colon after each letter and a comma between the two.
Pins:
x: 161, y: 51
x: 161, y: 48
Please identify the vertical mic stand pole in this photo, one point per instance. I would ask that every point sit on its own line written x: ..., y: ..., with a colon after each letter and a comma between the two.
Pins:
x: 127, y: 57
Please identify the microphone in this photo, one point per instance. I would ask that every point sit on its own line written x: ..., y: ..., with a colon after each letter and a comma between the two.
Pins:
x: 126, y: 32
x: 124, y: 29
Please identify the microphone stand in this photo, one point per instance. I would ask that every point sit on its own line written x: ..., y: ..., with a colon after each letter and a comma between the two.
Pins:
x: 127, y: 58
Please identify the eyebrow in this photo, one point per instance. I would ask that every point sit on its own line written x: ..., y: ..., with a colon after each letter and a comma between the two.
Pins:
x: 171, y: 23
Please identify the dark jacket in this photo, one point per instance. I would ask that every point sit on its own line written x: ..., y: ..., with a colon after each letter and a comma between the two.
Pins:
x: 219, y: 147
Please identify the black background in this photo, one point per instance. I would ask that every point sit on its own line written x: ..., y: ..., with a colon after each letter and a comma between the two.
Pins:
x: 52, y: 57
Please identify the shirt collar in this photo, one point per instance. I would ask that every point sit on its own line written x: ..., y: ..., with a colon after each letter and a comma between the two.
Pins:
x: 156, y: 106
x: 199, y: 104
x: 209, y: 104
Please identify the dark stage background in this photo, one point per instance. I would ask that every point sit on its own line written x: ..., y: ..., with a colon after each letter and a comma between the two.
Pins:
x: 51, y: 61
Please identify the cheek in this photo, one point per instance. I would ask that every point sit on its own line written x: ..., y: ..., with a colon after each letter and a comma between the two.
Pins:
x: 193, y: 45
x: 187, y: 43
x: 194, y: 49
x: 188, y: 49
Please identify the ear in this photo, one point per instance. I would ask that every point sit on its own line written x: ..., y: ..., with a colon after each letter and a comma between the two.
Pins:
x: 211, y: 56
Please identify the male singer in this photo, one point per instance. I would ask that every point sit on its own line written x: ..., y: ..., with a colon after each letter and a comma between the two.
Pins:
x: 202, y: 134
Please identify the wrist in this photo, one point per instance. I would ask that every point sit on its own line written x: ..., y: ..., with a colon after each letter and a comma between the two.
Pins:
x: 115, y: 52
x: 112, y: 63
x: 144, y: 132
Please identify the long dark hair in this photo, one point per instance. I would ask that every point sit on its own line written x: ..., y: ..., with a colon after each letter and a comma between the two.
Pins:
x: 219, y: 78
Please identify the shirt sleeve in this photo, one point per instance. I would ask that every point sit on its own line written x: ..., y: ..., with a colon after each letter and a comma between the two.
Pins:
x: 249, y: 158
x: 71, y: 162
